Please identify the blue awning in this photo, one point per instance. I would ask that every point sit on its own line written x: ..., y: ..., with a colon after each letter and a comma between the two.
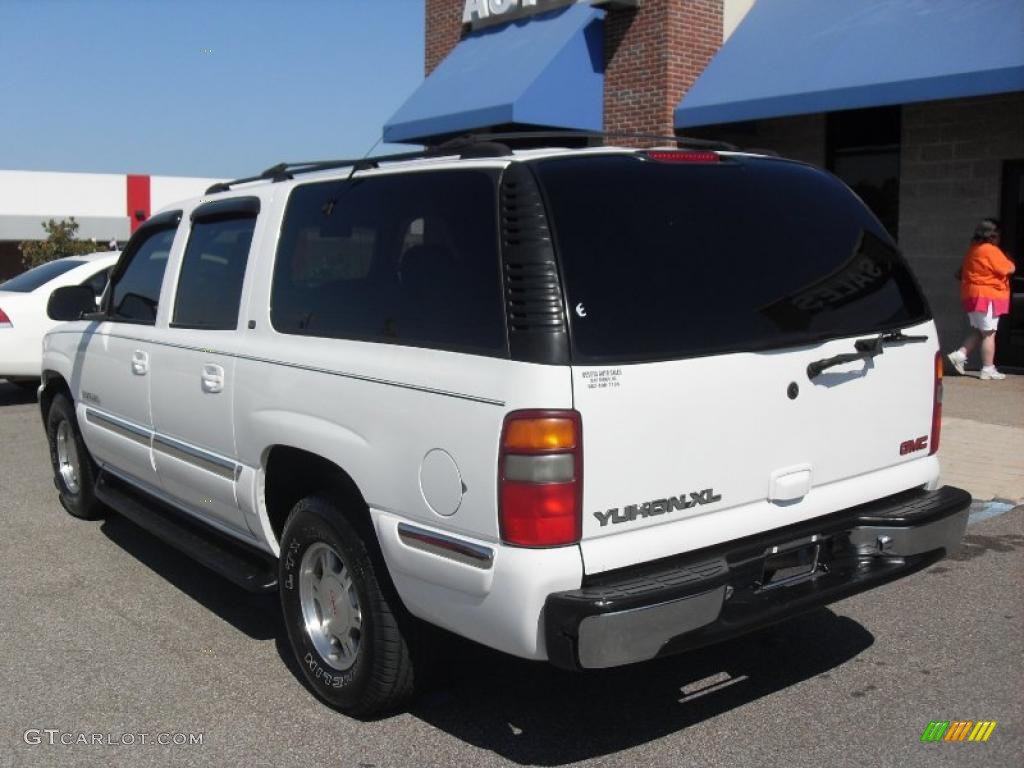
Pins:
x: 547, y: 70
x: 791, y: 57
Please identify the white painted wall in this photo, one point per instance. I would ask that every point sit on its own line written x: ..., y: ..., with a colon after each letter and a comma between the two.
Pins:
x: 98, y: 201
x: 164, y: 190
x: 35, y: 193
x: 733, y: 12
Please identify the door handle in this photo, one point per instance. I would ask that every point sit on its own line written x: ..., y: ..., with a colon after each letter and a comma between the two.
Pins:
x: 213, y: 378
x: 140, y: 362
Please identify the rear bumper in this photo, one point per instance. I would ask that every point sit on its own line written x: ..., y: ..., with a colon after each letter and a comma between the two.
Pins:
x: 19, y: 369
x: 20, y: 353
x: 703, y: 597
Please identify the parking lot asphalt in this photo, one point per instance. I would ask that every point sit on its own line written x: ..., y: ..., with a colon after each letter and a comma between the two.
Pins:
x: 107, y: 634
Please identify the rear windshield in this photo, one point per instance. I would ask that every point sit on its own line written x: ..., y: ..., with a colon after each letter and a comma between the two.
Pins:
x: 44, y: 273
x: 668, y: 260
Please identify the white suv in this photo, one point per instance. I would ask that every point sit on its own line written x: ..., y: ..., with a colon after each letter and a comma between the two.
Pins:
x: 586, y: 405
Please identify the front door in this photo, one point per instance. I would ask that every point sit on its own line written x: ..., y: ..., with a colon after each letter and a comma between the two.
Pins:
x: 1010, y: 337
x: 112, y: 384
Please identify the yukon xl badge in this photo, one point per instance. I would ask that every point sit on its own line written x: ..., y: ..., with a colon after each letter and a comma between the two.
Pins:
x: 658, y: 507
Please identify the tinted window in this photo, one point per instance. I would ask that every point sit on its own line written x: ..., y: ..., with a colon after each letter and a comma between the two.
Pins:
x: 98, y: 281
x: 210, y: 283
x: 673, y: 260
x: 408, y: 259
x: 136, y: 292
x: 38, y: 276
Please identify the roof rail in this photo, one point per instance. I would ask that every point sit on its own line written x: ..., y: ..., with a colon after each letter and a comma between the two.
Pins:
x: 682, y: 141
x: 465, y: 147
x: 470, y: 145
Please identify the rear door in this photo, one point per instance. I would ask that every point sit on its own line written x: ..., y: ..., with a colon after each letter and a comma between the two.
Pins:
x: 194, y: 368
x: 699, y: 294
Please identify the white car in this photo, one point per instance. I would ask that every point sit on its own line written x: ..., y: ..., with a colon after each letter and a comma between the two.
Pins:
x: 23, y: 299
x: 590, y: 406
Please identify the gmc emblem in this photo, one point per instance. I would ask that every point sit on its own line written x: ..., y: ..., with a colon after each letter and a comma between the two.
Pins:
x: 910, y: 446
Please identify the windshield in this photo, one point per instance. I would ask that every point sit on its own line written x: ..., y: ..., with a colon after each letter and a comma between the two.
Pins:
x: 44, y: 273
x: 668, y: 260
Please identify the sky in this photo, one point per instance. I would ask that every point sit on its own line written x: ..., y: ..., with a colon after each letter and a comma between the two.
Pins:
x: 214, y: 88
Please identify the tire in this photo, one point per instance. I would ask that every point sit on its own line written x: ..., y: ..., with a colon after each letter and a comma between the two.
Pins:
x: 74, y: 473
x: 354, y: 651
x: 27, y: 385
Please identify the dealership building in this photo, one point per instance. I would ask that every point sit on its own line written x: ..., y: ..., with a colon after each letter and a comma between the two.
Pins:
x: 106, y: 206
x: 918, y: 105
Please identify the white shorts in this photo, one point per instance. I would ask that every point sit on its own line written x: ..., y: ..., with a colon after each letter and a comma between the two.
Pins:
x: 984, y: 321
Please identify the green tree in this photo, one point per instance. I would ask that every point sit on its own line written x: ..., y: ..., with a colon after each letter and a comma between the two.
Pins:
x: 60, y: 241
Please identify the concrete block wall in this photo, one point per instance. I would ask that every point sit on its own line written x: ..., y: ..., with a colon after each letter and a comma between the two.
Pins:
x: 798, y: 138
x: 951, y: 162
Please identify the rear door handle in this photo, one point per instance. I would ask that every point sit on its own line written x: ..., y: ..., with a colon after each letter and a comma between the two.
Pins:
x: 140, y: 362
x: 213, y: 378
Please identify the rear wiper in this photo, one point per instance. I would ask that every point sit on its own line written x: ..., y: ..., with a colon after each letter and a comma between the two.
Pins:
x: 899, y: 337
x: 866, y: 349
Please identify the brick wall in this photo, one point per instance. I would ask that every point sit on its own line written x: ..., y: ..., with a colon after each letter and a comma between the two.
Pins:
x: 950, y: 175
x: 443, y: 30
x: 653, y: 54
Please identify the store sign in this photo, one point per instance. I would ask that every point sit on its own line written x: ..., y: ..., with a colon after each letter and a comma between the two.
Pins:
x: 479, y: 13
x: 485, y: 13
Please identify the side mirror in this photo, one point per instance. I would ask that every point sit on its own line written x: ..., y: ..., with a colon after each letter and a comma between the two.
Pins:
x: 71, y: 302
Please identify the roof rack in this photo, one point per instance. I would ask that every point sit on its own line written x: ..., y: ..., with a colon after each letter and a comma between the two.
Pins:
x: 470, y: 145
x: 680, y: 141
x: 464, y: 147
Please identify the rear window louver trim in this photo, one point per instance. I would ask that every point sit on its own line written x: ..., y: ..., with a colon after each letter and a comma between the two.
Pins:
x: 533, y: 291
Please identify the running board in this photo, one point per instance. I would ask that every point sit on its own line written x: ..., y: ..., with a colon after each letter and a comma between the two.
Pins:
x: 248, y: 568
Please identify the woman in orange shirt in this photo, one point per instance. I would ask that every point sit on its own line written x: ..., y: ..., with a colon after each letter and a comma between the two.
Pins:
x: 985, y: 295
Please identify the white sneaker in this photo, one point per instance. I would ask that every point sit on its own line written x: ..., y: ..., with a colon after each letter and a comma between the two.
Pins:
x: 991, y: 375
x: 957, y: 360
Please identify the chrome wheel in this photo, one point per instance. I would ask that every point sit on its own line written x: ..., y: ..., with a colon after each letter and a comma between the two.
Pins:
x: 330, y: 606
x: 67, y: 456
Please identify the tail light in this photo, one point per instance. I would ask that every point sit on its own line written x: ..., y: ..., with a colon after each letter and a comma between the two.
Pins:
x: 936, y: 405
x: 5, y: 321
x: 683, y: 156
x: 540, y: 478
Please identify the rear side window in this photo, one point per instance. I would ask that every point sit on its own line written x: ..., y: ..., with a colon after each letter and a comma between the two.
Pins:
x: 406, y: 259
x: 136, y: 293
x: 39, y: 276
x: 665, y: 260
x: 212, y: 271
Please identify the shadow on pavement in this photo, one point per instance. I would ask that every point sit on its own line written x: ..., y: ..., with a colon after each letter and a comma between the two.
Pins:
x: 258, y: 616
x: 533, y: 713
x: 12, y: 394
